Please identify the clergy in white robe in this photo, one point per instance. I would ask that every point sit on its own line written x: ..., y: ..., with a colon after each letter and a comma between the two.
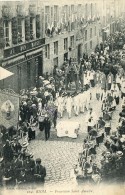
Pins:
x: 69, y: 105
x: 76, y: 104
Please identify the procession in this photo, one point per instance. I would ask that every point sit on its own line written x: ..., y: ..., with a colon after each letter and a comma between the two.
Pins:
x: 64, y: 125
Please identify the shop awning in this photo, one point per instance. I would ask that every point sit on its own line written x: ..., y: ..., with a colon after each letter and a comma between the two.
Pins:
x: 34, y: 52
x: 4, y: 73
x: 13, y: 60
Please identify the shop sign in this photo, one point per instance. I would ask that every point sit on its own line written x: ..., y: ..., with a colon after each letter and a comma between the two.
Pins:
x: 22, y: 48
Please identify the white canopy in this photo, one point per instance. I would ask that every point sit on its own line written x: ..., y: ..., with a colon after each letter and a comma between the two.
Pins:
x: 4, y: 73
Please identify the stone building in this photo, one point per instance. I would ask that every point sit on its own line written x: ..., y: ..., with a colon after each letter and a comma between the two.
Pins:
x: 36, y: 35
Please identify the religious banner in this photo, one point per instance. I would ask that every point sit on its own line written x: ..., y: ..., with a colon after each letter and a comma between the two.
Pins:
x: 9, y: 108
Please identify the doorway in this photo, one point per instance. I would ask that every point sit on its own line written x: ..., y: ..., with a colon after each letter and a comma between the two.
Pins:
x: 39, y: 64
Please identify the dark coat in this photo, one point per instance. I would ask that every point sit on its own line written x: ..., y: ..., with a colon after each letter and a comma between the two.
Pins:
x: 47, y: 124
x: 17, y: 147
x: 40, y: 173
x: 29, y: 170
x: 7, y: 153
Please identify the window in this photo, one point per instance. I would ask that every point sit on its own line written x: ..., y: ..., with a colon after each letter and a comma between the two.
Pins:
x: 66, y: 44
x: 6, y: 33
x: 31, y: 28
x: 72, y: 17
x: 56, y: 48
x: 86, y: 47
x: 79, y: 11
x: 47, y: 51
x: 91, y: 10
x: 85, y: 35
x: 55, y: 15
x: 72, y: 41
x: 86, y: 11
x: 95, y: 30
x: 51, y: 12
x: 38, y: 26
x: 47, y: 16
x: 90, y: 44
x: 90, y: 33
x: 55, y: 60
x: 65, y: 13
x: 72, y: 8
x: 19, y: 30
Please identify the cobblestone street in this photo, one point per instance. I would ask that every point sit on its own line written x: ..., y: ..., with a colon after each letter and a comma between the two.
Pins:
x: 60, y: 154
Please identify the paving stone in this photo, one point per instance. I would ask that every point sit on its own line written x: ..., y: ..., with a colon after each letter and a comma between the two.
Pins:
x: 60, y: 154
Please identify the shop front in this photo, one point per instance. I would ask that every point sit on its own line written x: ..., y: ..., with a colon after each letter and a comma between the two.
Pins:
x: 26, y: 67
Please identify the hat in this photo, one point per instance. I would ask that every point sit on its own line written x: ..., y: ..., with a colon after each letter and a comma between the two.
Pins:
x: 27, y: 155
x: 46, y: 115
x: 122, y: 140
x: 42, y: 78
x: 31, y: 155
x: 119, y: 153
x: 15, y: 154
x: 33, y: 105
x: 38, y: 160
x: 1, y: 159
x: 89, y: 171
x: 108, y: 154
x: 24, y: 103
x: 94, y: 165
x: 25, y: 144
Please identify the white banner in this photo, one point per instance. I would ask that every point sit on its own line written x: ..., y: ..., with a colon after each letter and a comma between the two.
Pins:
x: 9, y: 109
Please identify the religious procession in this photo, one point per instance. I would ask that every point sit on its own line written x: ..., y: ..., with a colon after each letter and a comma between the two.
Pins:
x: 68, y: 126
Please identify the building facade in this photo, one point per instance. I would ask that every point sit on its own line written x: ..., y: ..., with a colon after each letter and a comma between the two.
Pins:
x: 37, y: 35
x: 111, y: 14
x: 21, y: 44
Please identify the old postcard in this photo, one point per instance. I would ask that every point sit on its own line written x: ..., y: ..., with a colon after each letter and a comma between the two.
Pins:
x: 62, y: 97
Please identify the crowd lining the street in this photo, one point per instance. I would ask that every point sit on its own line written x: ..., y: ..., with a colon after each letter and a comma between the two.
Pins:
x: 42, y: 106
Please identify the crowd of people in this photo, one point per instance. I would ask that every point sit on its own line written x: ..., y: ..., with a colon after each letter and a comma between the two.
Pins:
x: 49, y: 100
x: 107, y: 163
x: 17, y: 165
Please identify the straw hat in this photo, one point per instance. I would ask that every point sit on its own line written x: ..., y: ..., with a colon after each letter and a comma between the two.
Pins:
x: 38, y: 160
x: 25, y: 144
x: 119, y: 153
x: 1, y: 159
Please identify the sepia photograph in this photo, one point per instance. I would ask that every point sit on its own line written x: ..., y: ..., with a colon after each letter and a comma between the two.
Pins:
x: 62, y: 97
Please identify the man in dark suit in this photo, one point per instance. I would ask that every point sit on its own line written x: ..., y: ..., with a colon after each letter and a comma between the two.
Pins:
x: 7, y: 152
x: 16, y: 146
x: 21, y: 179
x: 47, y: 127
x: 16, y: 164
x: 9, y: 176
x: 40, y: 171
x: 29, y: 166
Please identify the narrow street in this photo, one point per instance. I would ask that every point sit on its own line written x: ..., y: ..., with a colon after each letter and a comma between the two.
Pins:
x: 59, y: 155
